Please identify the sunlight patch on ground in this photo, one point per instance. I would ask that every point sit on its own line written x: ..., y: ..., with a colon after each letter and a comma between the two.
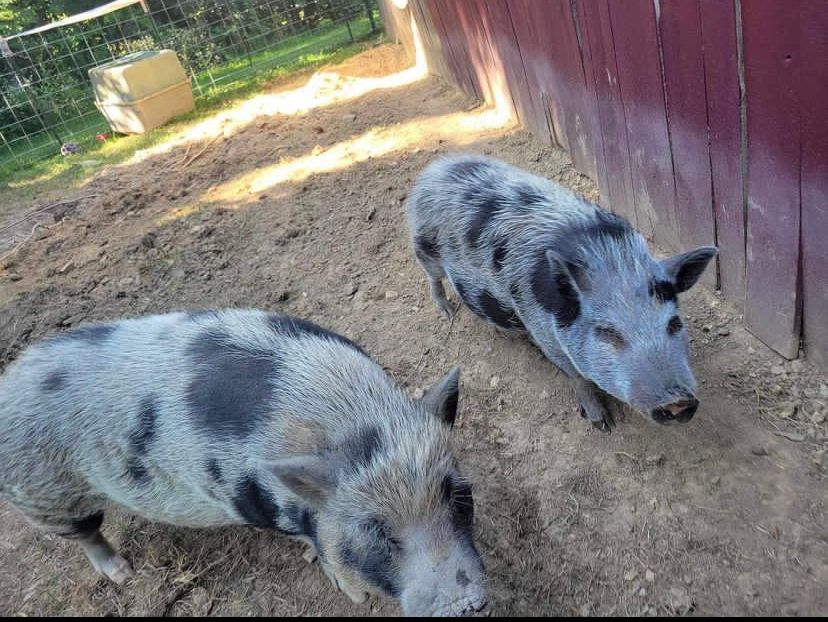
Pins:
x: 323, y: 89
x: 459, y: 128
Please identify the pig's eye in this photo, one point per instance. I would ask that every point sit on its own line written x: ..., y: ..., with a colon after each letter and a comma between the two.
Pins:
x: 611, y: 336
x: 674, y: 325
x: 383, y: 535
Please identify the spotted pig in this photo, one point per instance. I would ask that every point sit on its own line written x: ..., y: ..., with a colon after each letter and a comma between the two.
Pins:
x: 241, y: 417
x: 526, y: 254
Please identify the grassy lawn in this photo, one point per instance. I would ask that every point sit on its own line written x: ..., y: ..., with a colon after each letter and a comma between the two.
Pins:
x: 24, y: 184
x: 41, y: 161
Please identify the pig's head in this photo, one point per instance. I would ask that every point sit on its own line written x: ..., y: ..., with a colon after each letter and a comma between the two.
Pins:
x: 615, y: 310
x: 393, y: 514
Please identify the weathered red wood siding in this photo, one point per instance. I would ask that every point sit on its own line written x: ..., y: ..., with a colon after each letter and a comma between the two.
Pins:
x: 702, y: 121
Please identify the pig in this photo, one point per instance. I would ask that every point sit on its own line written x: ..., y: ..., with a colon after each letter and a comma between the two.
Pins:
x: 530, y: 256
x: 241, y: 417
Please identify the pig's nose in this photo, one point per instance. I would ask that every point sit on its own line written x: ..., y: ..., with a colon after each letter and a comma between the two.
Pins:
x: 680, y: 411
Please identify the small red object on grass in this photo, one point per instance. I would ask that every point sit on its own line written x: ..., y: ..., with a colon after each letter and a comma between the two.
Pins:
x: 102, y: 136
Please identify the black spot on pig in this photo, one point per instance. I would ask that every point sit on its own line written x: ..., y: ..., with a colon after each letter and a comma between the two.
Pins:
x: 302, y: 522
x: 360, y: 448
x: 609, y: 224
x: 54, y: 381
x: 426, y: 245
x: 82, y: 528
x: 214, y: 470
x: 255, y: 504
x: 95, y: 334
x: 570, y: 243
x: 499, y: 255
x: 555, y: 293
x: 486, y: 207
x: 374, y: 562
x: 492, y: 310
x: 663, y: 291
x: 528, y: 195
x: 232, y: 388
x: 295, y: 327
x: 140, y: 439
x: 142, y: 435
x: 458, y: 496
x: 464, y: 170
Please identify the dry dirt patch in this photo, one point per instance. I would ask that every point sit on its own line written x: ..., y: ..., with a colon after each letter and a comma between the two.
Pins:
x: 302, y: 212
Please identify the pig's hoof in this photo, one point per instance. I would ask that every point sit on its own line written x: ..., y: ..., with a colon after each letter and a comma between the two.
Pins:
x: 600, y: 420
x: 601, y: 425
x: 356, y: 596
x: 117, y: 569
x: 447, y: 310
x: 310, y: 555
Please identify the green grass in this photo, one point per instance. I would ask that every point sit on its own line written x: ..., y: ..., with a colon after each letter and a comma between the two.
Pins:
x: 41, y: 162
x: 66, y: 173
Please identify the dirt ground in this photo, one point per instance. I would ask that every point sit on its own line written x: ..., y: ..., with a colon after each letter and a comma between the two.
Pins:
x: 278, y: 206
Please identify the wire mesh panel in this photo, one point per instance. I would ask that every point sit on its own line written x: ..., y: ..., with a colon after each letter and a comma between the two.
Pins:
x: 46, y: 99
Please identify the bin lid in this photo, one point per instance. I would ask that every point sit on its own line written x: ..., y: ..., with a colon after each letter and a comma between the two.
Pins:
x: 136, y: 76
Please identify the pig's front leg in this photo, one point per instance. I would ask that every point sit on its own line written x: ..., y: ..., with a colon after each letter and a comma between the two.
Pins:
x: 104, y: 558
x: 594, y: 404
x: 356, y: 595
x: 592, y: 401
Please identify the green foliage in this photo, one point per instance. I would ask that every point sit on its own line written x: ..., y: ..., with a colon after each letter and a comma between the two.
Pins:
x: 45, y: 94
x: 194, y: 50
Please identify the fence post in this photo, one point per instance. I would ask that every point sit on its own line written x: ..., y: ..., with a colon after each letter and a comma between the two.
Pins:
x: 153, y: 26
x: 245, y: 42
x: 50, y: 131
x: 370, y: 11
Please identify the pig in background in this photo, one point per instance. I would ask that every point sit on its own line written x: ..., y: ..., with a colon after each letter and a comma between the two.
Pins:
x: 528, y: 255
x: 243, y: 417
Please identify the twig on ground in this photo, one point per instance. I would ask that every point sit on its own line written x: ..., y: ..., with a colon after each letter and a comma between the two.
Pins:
x: 22, y: 242
x: 200, y: 153
x: 181, y: 161
x: 44, y: 209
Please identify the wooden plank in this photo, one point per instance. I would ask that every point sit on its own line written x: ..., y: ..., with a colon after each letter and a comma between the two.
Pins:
x: 772, y: 67
x: 470, y: 36
x: 486, y: 63
x: 539, y: 118
x: 639, y: 75
x: 679, y: 23
x: 591, y: 98
x: 552, y: 58
x: 813, y: 87
x: 449, y: 30
x: 721, y: 68
x: 615, y: 178
x: 430, y: 37
x: 508, y: 54
x: 396, y: 25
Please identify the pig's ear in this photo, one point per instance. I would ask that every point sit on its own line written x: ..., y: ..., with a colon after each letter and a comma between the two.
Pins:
x: 441, y: 399
x: 557, y: 289
x: 685, y: 269
x: 311, y: 478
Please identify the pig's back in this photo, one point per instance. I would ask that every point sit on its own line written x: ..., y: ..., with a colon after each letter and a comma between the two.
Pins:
x: 162, y: 415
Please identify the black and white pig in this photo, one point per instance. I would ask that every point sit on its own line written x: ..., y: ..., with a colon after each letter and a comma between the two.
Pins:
x: 526, y: 254
x: 236, y: 417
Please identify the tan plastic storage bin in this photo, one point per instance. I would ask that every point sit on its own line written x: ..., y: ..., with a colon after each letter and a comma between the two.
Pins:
x: 141, y: 91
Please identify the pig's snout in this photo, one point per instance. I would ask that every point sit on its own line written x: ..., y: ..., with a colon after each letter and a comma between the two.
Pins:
x: 467, y: 606
x: 680, y: 411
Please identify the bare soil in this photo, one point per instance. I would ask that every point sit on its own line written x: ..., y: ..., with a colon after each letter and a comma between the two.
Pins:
x: 301, y: 211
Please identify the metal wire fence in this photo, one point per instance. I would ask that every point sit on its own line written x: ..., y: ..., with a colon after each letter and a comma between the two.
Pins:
x: 46, y: 98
